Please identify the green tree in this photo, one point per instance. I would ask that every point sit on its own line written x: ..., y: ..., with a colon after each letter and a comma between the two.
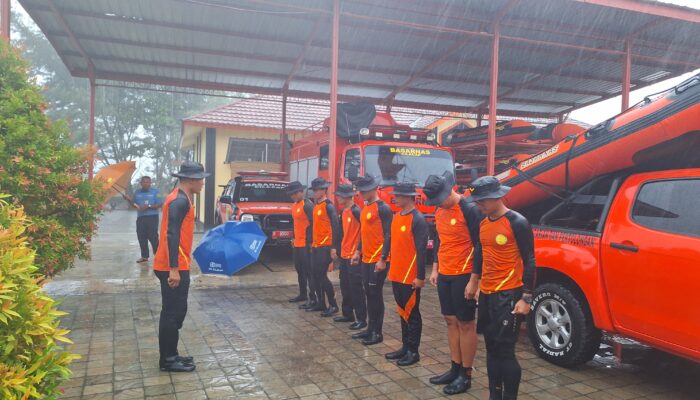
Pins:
x: 42, y: 170
x: 130, y: 123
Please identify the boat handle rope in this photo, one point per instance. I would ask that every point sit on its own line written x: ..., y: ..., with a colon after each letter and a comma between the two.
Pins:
x: 540, y: 185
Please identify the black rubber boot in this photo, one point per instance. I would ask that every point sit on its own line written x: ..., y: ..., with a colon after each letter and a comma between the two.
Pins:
x: 409, y: 359
x: 447, y: 377
x: 460, y: 385
x: 396, y: 355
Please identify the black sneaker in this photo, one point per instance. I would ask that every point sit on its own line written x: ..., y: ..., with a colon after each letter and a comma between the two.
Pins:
x: 171, y: 364
x: 185, y: 359
x: 343, y: 318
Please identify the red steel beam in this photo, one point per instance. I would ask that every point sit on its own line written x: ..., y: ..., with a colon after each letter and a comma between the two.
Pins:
x: 283, y: 147
x: 174, y: 82
x: 5, y: 17
x: 626, y: 73
x: 653, y: 8
x: 493, y: 111
x: 91, y: 128
x: 332, y: 142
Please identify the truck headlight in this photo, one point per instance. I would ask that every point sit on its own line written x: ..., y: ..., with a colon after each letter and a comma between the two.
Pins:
x: 364, y: 132
x: 247, y: 218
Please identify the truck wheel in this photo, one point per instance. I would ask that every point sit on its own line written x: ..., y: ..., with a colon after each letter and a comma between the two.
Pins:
x: 561, y: 327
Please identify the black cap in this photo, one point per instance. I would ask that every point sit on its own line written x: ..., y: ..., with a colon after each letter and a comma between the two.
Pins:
x: 486, y: 187
x: 404, y: 189
x: 191, y: 170
x: 366, y: 183
x: 294, y: 187
x: 437, y: 188
x: 345, y: 190
x: 319, y: 183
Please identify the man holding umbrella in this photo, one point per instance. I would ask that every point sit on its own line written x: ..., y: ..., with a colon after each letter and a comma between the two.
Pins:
x: 323, y: 247
x: 172, y: 264
x: 302, y: 215
x: 375, y: 242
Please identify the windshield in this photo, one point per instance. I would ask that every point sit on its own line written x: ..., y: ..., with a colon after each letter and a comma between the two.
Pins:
x: 406, y: 164
x: 273, y: 192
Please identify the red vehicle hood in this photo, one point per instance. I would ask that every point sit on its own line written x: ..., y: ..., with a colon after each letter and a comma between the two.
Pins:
x: 265, y: 208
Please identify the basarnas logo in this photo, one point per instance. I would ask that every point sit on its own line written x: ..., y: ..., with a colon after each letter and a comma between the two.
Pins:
x: 214, y: 266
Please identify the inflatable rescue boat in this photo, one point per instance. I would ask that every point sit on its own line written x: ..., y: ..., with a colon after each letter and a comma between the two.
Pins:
x: 658, y: 127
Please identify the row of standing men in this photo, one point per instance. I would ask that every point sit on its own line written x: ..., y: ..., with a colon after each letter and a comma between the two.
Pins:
x: 484, y: 260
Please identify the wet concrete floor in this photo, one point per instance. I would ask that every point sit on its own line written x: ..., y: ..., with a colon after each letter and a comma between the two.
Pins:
x: 249, y: 342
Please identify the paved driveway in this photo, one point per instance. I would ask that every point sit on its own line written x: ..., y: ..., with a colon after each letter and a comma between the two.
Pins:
x: 250, y: 343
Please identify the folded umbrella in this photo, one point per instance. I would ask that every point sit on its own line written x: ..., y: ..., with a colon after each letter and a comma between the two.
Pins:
x: 230, y: 247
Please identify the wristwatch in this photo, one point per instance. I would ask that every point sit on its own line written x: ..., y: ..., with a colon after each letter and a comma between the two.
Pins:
x: 527, y: 298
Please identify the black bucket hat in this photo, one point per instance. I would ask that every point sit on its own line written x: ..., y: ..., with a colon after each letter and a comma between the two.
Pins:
x: 438, y: 187
x: 345, y: 190
x: 294, y: 187
x: 191, y: 170
x: 404, y: 189
x: 487, y: 187
x: 366, y: 183
x: 319, y: 183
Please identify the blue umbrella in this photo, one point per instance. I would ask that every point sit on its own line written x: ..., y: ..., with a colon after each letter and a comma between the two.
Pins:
x: 230, y: 247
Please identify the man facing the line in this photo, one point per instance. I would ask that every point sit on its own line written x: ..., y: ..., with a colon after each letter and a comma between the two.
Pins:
x: 147, y: 203
x: 302, y: 215
x: 172, y: 264
x: 409, y: 239
x: 457, y: 249
x: 507, y: 281
x: 353, y: 306
x: 323, y: 247
x: 375, y: 243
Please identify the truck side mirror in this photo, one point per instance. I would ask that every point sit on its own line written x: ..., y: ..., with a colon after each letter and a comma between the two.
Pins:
x: 225, y: 199
x: 353, y: 173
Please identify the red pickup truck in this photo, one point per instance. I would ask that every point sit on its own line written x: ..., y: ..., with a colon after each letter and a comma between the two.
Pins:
x: 621, y: 255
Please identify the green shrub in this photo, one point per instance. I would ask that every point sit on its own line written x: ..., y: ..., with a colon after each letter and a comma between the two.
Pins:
x: 32, y: 363
x: 41, y: 170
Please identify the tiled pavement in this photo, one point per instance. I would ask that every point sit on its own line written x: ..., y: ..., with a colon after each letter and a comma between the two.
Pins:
x: 250, y: 343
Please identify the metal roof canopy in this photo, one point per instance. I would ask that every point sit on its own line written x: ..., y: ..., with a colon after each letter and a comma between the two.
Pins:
x: 538, y: 58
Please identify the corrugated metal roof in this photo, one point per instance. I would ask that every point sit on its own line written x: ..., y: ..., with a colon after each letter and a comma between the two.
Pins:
x: 556, y: 55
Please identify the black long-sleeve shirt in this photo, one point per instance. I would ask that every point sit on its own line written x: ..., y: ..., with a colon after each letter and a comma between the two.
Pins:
x: 309, y: 211
x: 176, y: 215
x: 420, y: 240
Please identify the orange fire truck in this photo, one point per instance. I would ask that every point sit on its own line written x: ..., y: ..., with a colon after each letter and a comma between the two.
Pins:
x: 381, y: 147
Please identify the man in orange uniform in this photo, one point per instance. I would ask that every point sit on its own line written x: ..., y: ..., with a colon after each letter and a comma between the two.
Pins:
x: 323, y: 247
x: 172, y: 264
x: 375, y: 243
x: 349, y: 241
x: 457, y: 250
x: 409, y: 239
x: 302, y: 215
x: 507, y: 281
